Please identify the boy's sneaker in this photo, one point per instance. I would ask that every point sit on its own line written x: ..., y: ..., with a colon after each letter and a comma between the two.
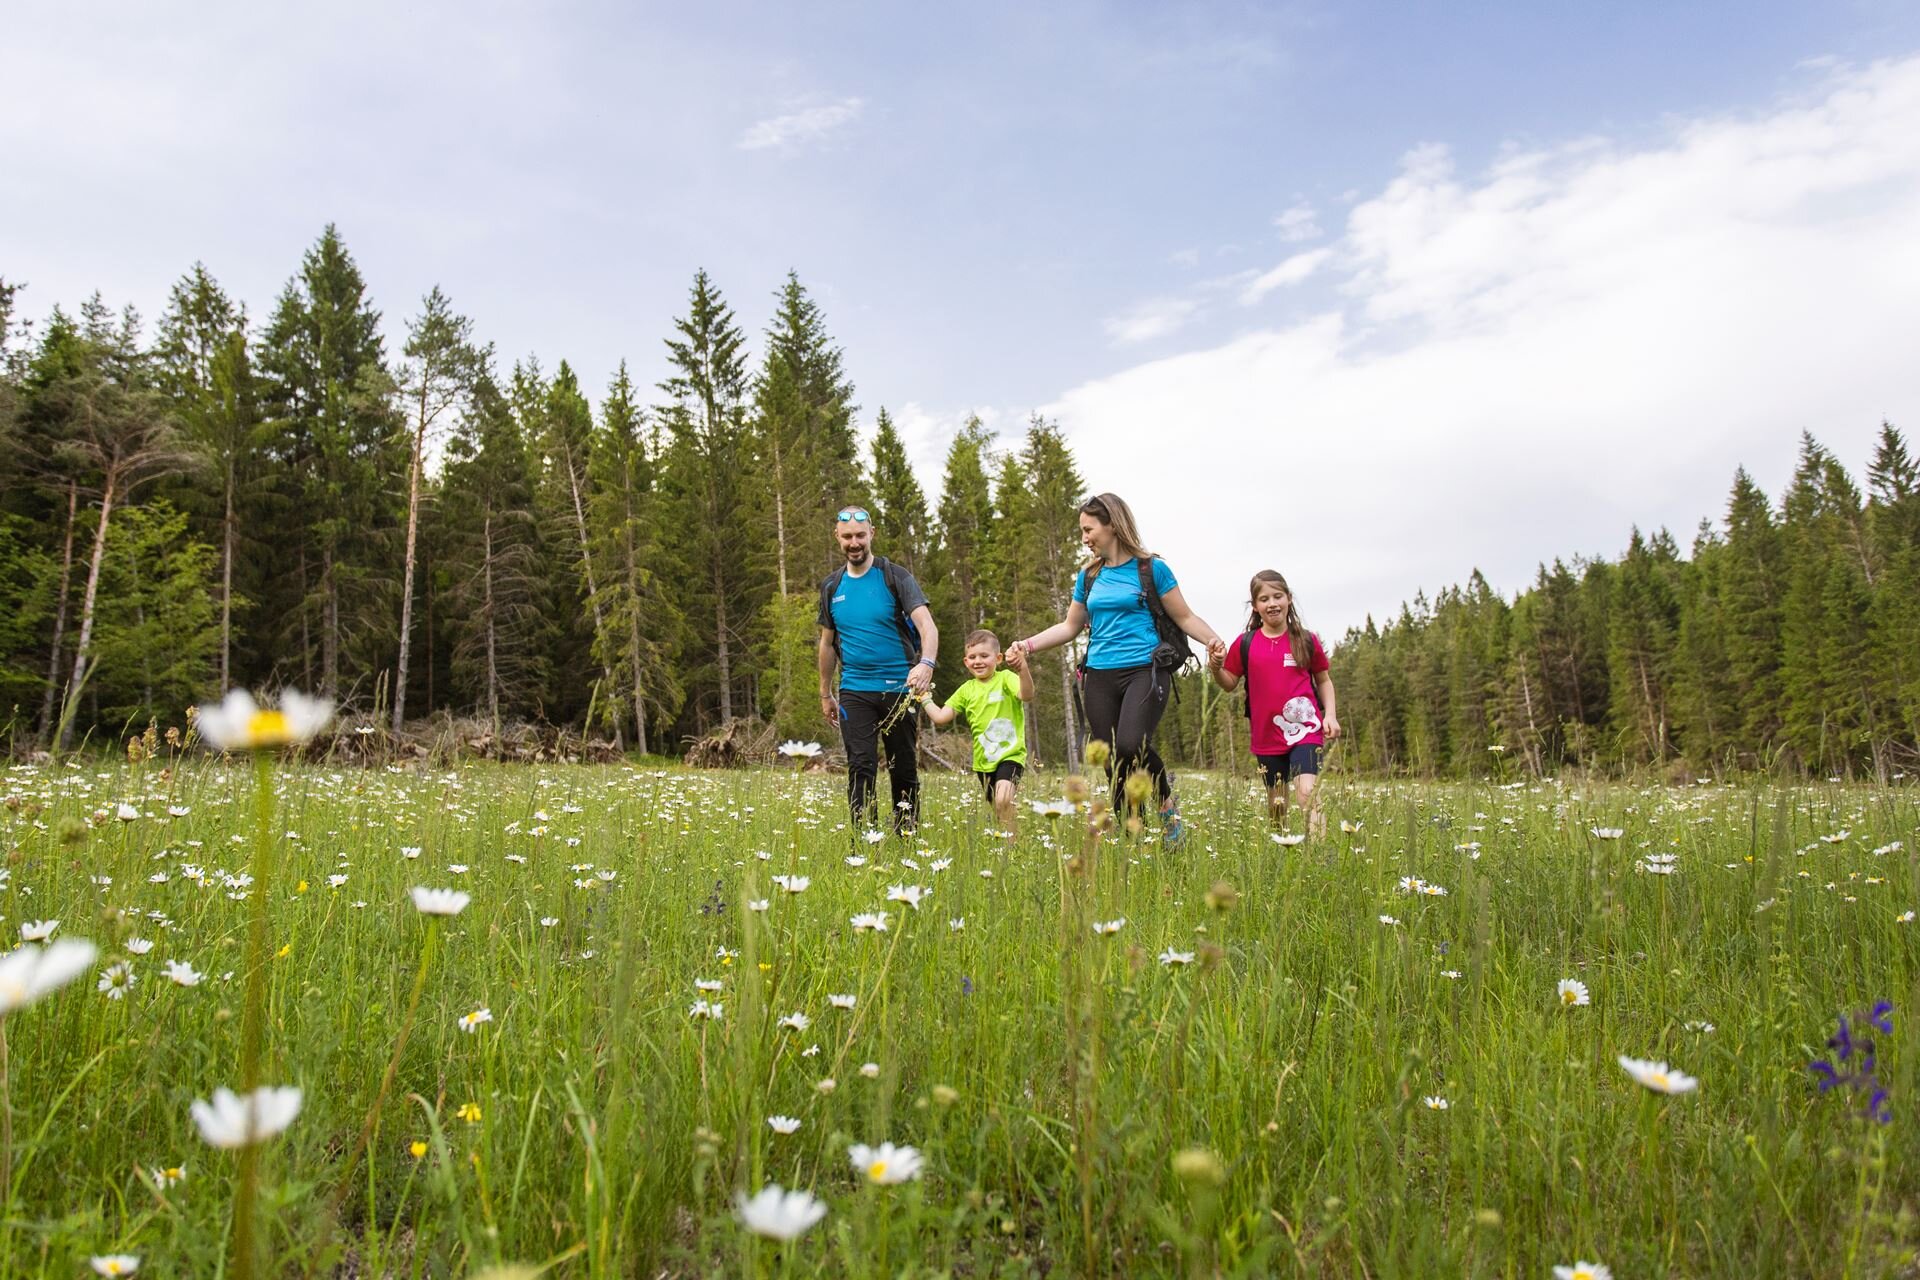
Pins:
x: 1173, y: 832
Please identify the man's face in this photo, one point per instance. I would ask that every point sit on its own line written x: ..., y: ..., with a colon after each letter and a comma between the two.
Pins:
x: 856, y: 538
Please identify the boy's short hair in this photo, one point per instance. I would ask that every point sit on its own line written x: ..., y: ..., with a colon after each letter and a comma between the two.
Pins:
x: 982, y: 636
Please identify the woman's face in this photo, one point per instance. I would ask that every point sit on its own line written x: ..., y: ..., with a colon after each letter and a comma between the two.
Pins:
x: 1271, y: 603
x: 1095, y: 534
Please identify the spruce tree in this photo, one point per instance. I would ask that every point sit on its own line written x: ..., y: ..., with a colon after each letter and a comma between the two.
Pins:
x: 803, y: 427
x: 637, y: 624
x: 900, y: 522
x: 493, y: 559
x: 965, y: 509
x: 339, y: 465
x: 442, y: 366
x: 710, y: 503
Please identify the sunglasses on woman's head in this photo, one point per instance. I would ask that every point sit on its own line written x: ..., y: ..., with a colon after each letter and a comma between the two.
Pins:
x: 857, y: 514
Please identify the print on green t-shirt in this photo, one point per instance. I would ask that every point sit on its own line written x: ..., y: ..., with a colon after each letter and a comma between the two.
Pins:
x: 995, y: 716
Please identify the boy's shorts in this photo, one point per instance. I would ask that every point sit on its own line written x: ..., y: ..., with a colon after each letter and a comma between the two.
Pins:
x: 1304, y: 758
x: 1005, y: 771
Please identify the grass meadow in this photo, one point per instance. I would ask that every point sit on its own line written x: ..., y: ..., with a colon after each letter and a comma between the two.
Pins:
x: 1284, y: 1060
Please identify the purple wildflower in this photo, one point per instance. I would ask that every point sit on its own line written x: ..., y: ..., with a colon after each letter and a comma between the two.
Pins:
x: 1854, y: 1063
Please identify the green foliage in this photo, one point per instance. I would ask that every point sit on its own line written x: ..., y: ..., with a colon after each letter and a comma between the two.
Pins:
x: 1055, y: 1080
x: 1785, y: 638
x: 157, y: 636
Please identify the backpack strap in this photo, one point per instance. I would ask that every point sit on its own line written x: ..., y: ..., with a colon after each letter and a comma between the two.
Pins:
x: 829, y: 585
x: 892, y: 574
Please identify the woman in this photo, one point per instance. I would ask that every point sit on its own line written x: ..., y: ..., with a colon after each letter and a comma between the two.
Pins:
x: 1123, y: 691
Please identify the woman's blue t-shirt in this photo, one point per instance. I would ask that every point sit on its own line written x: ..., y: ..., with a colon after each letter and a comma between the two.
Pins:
x: 1119, y: 623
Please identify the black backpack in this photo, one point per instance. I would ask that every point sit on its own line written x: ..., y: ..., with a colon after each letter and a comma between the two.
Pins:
x: 1173, y: 653
x: 900, y: 585
x: 1246, y: 674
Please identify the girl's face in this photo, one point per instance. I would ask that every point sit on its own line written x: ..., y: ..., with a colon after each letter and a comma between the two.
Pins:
x: 1094, y: 535
x: 1271, y: 603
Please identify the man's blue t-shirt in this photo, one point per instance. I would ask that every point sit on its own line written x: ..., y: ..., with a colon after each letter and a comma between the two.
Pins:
x: 873, y: 651
x: 1119, y: 623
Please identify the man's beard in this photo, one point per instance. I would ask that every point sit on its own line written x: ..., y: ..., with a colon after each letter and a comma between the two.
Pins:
x: 856, y: 555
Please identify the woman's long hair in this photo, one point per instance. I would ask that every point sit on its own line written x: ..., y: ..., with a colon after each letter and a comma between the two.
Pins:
x: 1297, y: 635
x: 1111, y: 510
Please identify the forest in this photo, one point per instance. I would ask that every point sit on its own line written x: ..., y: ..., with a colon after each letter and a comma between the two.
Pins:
x: 431, y: 532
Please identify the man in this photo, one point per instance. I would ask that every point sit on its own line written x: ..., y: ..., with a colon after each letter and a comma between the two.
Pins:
x: 876, y: 628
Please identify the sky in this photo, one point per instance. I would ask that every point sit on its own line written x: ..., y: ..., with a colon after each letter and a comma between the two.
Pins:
x: 1375, y: 295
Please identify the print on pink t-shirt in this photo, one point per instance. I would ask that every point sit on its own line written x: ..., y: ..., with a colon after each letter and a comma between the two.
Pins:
x: 1285, y: 711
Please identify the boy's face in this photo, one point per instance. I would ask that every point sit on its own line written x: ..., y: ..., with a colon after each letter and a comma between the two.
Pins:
x: 981, y: 659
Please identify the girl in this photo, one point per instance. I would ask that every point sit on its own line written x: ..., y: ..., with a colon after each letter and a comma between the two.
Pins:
x: 1290, y: 698
x: 1124, y: 692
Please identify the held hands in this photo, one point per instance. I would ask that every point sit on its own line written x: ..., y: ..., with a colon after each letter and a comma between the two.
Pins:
x: 1217, y: 654
x: 920, y: 679
x: 1016, y: 656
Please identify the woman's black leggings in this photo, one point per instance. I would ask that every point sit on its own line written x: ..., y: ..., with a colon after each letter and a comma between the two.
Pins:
x: 1123, y: 707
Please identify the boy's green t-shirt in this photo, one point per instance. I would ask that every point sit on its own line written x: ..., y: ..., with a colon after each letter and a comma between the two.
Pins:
x: 996, y: 716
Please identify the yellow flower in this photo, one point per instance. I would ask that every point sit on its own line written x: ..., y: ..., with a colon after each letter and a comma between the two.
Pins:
x: 284, y: 952
x: 470, y: 1112
x: 765, y: 967
x: 301, y: 887
x: 417, y: 1148
x: 239, y: 723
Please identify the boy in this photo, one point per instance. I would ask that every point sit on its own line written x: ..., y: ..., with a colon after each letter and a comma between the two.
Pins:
x: 995, y: 705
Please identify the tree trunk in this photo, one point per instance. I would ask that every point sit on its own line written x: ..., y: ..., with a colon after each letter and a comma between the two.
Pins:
x: 1066, y: 705
x: 329, y: 625
x: 306, y: 635
x: 780, y: 519
x: 86, y: 607
x: 226, y: 587
x: 724, y: 661
x: 1533, y: 731
x: 593, y: 586
x: 406, y: 577
x: 48, y: 699
x: 486, y: 608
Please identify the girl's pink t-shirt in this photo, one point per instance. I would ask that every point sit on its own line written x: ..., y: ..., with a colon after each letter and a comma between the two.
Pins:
x: 1285, y: 711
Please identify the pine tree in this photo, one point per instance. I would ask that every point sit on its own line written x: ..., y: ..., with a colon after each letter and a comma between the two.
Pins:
x: 494, y: 561
x: 565, y: 445
x: 705, y: 486
x: 205, y: 366
x: 1052, y: 517
x: 1641, y: 616
x: 1751, y: 573
x: 637, y: 625
x: 900, y: 522
x: 159, y: 630
x: 338, y: 458
x: 443, y: 364
x: 1894, y: 616
x: 954, y: 586
x: 803, y: 427
x: 113, y: 433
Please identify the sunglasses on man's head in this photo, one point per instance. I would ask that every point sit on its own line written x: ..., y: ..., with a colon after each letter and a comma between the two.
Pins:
x: 858, y: 514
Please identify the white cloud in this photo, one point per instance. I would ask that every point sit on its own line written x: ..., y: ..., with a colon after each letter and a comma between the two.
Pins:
x: 1291, y: 272
x: 1526, y: 362
x: 1297, y: 224
x: 927, y: 434
x: 1154, y: 318
x: 800, y: 128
